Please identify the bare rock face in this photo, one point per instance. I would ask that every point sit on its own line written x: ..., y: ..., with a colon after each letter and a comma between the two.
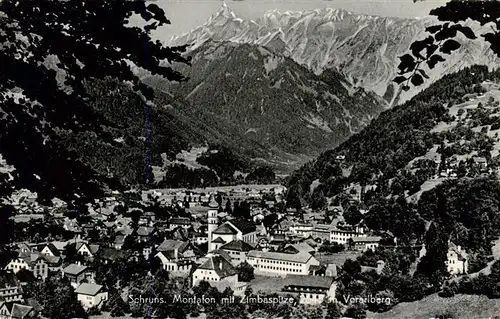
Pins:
x: 262, y: 101
x: 364, y: 48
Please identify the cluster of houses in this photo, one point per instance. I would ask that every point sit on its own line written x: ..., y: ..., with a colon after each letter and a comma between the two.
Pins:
x: 198, y: 197
x: 12, y: 303
x: 38, y: 262
x: 209, y: 245
x: 452, y: 164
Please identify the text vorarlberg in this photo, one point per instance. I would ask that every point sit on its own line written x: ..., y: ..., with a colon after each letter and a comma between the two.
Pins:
x: 368, y: 299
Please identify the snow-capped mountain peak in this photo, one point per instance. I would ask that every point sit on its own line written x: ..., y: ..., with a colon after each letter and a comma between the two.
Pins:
x: 365, y: 48
x: 224, y: 12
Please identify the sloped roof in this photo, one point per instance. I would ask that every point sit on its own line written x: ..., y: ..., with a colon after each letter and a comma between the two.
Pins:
x: 302, y: 247
x: 170, y: 244
x: 301, y: 257
x: 244, y: 225
x: 237, y: 245
x: 52, y: 260
x: 367, y: 239
x: 220, y: 265
x: 323, y: 228
x: 74, y: 269
x: 20, y: 311
x: 213, y: 203
x: 218, y: 240
x: 59, y: 245
x: 311, y: 243
x: 180, y: 221
x: 218, y: 252
x: 28, y: 257
x: 53, y: 249
x: 169, y: 254
x: 79, y: 245
x: 145, y: 231
x: 113, y: 254
x: 309, y: 281
x: 94, y: 248
x: 88, y: 289
x: 226, y: 229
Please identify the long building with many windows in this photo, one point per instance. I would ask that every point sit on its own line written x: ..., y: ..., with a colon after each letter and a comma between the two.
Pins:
x: 280, y: 264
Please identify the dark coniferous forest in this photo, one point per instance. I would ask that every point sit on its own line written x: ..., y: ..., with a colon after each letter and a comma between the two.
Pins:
x: 222, y: 165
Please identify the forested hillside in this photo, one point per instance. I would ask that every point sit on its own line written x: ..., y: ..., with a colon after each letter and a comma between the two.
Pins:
x: 423, y: 173
x: 124, y: 155
x: 379, y: 153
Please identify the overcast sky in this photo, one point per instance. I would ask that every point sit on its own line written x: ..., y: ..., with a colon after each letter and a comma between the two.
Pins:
x: 188, y: 14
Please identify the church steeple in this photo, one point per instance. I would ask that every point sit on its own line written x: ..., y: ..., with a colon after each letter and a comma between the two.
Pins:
x: 213, y: 203
x: 212, y: 219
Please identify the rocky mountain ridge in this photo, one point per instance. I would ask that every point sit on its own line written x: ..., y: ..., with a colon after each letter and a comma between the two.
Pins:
x: 364, y: 48
x: 265, y: 104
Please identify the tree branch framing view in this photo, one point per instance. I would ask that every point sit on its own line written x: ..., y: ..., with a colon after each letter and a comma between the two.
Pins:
x: 318, y: 163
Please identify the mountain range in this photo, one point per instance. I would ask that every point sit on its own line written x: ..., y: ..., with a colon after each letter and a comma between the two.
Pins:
x: 364, y: 48
x: 277, y: 91
x: 266, y: 105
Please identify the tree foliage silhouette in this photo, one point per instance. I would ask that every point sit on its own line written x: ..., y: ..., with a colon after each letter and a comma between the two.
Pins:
x: 441, y: 40
x: 49, y: 50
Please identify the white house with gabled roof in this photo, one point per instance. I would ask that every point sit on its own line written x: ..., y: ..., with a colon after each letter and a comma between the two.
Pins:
x: 91, y: 295
x: 218, y: 272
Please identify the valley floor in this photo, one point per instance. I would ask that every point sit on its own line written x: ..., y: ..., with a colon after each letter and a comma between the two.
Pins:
x: 457, y: 307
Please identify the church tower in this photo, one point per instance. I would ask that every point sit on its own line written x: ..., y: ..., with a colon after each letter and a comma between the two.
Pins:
x: 213, y: 209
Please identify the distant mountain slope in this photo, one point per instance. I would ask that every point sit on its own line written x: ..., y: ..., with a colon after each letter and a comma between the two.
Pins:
x: 267, y: 105
x: 364, y: 48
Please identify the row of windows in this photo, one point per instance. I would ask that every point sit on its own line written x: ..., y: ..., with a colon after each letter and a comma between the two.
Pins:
x: 176, y: 267
x: 16, y: 266
x: 169, y: 267
x: 342, y: 235
x: 207, y: 278
x: 279, y: 262
x: 279, y: 268
x: 13, y: 298
x: 8, y: 291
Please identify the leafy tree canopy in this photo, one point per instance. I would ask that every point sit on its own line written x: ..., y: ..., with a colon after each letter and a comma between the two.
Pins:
x: 48, y: 50
x: 441, y: 40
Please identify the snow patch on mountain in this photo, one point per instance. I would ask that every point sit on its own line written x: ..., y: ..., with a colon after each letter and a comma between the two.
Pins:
x: 271, y: 64
x: 195, y: 90
x: 318, y: 122
x: 363, y: 47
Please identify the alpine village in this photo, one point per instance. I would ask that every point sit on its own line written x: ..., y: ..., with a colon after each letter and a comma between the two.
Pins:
x: 306, y: 164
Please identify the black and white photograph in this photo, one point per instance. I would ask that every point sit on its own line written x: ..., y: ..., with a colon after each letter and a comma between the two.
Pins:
x: 249, y: 159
